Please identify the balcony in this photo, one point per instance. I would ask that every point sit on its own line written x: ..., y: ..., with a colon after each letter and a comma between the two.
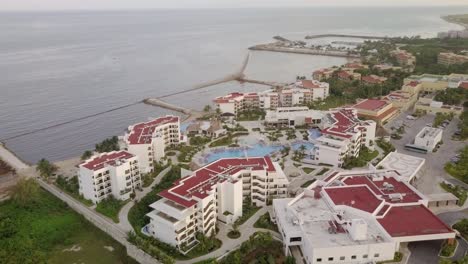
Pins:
x: 166, y: 217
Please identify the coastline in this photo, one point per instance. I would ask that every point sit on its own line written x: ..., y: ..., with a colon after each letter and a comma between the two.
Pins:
x: 452, y: 20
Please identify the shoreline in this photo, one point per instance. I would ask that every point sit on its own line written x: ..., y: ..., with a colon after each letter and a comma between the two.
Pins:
x: 451, y: 20
x: 191, y: 114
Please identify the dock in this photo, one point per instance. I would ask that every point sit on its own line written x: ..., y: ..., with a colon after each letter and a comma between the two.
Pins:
x: 344, y: 36
x: 11, y: 159
x: 160, y: 103
x: 307, y: 51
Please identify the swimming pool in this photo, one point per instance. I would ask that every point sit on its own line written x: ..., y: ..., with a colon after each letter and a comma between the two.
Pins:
x: 314, y: 133
x: 257, y: 150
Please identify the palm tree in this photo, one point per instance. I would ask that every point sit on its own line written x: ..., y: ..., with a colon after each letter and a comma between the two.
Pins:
x: 45, y: 168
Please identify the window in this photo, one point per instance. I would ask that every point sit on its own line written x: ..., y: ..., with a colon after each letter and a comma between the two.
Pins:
x: 342, y: 258
x: 330, y: 259
x: 365, y: 256
x: 319, y: 260
x: 376, y: 255
x: 353, y: 257
x: 295, y: 239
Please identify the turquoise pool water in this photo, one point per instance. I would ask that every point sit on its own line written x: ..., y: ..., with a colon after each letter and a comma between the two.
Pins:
x: 314, y: 133
x: 258, y: 150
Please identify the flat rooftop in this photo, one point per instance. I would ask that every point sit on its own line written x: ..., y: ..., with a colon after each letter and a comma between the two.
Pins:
x: 429, y: 132
x: 406, y: 165
x: 142, y: 133
x: 312, y: 217
x: 111, y: 158
x: 371, y: 104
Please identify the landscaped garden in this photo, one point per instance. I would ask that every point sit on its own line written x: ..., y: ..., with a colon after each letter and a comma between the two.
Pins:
x: 459, y: 169
x: 265, y: 222
x: 36, y: 227
x: 460, y: 192
x: 260, y: 248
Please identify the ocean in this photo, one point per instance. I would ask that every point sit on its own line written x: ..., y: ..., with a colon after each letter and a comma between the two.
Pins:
x: 58, y: 66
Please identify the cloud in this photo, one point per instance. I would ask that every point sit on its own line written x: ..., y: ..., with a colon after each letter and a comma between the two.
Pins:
x: 124, y: 4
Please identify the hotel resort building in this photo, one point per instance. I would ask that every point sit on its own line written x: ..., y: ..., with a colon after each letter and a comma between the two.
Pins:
x: 355, y: 217
x: 149, y: 140
x: 213, y: 193
x: 342, y: 136
x: 380, y: 111
x: 450, y: 58
x: 114, y: 174
x: 299, y: 93
x: 293, y: 116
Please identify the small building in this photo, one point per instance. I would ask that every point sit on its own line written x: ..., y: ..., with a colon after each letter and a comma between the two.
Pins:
x: 409, y: 167
x: 429, y: 105
x: 373, y: 80
x: 293, y: 116
x: 380, y: 111
x: 450, y: 58
x: 428, y: 138
x: 404, y: 58
x: 115, y: 173
x: 402, y: 100
x: 213, y: 129
x: 442, y: 200
x: 429, y: 82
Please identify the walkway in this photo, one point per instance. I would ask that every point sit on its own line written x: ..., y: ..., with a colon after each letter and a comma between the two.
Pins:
x: 124, y: 224
x: 247, y: 229
x: 11, y: 159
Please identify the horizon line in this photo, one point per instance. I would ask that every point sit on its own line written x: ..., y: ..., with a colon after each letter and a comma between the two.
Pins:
x: 240, y: 7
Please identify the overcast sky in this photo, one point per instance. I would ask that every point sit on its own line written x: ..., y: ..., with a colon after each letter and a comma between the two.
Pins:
x: 125, y: 4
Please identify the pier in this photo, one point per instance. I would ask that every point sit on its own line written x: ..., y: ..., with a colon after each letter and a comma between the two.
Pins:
x: 11, y: 159
x: 160, y: 103
x: 307, y: 51
x: 343, y: 36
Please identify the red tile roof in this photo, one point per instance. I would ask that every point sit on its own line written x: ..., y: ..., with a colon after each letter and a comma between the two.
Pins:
x: 204, y: 179
x: 99, y: 162
x: 359, y: 197
x: 311, y: 84
x: 142, y: 133
x: 371, y: 104
x: 463, y: 85
x: 415, y: 220
x: 345, y: 122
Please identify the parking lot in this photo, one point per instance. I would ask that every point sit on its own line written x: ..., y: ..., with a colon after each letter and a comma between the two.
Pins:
x: 434, y: 168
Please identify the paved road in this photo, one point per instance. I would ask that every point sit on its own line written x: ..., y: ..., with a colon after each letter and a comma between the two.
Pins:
x: 435, y: 162
x: 427, y: 252
x: 124, y: 224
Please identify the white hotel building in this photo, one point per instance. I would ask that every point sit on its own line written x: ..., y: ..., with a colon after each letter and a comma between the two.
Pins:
x: 343, y: 135
x: 299, y: 93
x: 149, y: 140
x: 355, y: 217
x: 114, y: 173
x: 213, y: 192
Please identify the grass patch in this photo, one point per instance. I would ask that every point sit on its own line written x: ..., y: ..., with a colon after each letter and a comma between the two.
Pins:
x: 307, y: 183
x: 365, y: 156
x: 459, y: 169
x: 110, y: 207
x: 460, y: 192
x: 462, y: 227
x: 38, y: 230
x: 323, y: 171
x: 264, y: 221
x: 71, y: 187
x: 234, y: 234
x: 260, y: 248
x: 448, y: 249
x: 248, y: 210
x: 308, y: 170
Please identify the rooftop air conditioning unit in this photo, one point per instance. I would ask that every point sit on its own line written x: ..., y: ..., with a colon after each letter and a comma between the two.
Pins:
x: 395, y: 197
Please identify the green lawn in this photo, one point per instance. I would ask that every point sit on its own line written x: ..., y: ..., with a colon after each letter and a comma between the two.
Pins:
x: 460, y: 192
x: 110, y: 207
x: 265, y: 222
x: 307, y: 183
x: 308, y: 170
x: 323, y: 171
x: 40, y: 228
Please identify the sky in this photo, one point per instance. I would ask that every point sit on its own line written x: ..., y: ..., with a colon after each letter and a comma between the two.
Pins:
x: 142, y: 4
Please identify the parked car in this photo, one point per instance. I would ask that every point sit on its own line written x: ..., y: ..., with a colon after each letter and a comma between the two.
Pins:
x: 410, y: 117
